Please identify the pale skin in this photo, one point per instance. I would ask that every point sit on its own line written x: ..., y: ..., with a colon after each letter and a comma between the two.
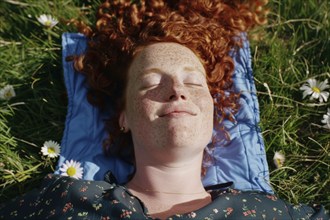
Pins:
x: 169, y: 111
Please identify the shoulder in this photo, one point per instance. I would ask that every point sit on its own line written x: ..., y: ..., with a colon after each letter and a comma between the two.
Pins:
x: 254, y: 204
x: 57, y: 183
x: 67, y: 198
x: 58, y: 197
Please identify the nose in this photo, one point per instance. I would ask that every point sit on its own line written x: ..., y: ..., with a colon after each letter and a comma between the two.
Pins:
x: 177, y: 92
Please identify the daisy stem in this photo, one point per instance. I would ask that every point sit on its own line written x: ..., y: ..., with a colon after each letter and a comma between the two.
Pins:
x: 49, y: 37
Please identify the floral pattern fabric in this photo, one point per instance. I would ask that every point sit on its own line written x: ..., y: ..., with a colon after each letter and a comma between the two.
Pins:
x: 68, y: 198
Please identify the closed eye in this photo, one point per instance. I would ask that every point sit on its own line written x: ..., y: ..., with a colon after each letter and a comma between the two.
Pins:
x: 150, y: 81
x: 194, y: 84
x: 194, y: 79
x: 149, y: 86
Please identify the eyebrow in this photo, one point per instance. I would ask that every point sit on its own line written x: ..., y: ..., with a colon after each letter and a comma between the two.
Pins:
x: 194, y: 69
x: 152, y: 70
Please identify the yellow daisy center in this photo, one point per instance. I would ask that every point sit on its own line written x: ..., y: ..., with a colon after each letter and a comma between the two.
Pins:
x: 279, y: 162
x: 48, y: 23
x: 71, y: 171
x: 8, y: 94
x: 51, y: 150
x: 315, y: 89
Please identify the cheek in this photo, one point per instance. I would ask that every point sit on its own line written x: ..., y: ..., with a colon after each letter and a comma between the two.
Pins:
x: 206, y: 105
x: 208, y: 115
x: 205, y: 102
x: 141, y: 110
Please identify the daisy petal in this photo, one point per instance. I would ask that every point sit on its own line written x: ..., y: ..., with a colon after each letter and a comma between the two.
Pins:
x: 325, y: 96
x: 311, y: 82
x: 326, y: 120
x: 279, y: 159
x: 7, y: 92
x: 72, y: 169
x: 307, y: 92
x: 51, y: 149
x: 315, y: 95
x: 324, y: 85
x: 47, y: 20
x: 316, y: 89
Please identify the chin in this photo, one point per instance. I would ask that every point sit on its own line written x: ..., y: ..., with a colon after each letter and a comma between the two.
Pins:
x: 184, y: 140
x: 190, y: 134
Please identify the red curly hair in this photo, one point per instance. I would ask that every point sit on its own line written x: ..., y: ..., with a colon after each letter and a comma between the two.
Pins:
x: 210, y: 28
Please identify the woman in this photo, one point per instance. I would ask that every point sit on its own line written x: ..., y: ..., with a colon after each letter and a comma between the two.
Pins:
x: 169, y: 111
x: 165, y: 66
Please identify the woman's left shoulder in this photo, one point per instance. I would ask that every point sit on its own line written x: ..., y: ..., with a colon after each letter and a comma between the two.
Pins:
x: 247, y: 204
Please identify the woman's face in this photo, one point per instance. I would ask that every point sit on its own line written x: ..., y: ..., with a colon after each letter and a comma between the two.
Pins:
x: 168, y: 104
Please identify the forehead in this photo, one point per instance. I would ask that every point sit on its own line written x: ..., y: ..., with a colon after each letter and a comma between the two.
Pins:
x: 165, y: 56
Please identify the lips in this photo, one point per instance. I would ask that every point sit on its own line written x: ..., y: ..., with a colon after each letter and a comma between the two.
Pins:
x: 177, y: 111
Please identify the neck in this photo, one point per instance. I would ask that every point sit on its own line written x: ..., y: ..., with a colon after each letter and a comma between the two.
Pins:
x: 174, y: 177
x: 168, y: 189
x: 168, y: 180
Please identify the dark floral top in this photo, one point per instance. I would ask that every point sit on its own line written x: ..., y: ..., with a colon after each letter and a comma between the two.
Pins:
x: 67, y: 198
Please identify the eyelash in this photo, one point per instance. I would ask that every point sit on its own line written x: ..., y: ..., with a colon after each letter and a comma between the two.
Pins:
x: 190, y: 84
x: 150, y: 86
x: 194, y: 84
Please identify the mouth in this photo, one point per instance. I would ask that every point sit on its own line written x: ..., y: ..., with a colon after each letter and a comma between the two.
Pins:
x: 177, y: 113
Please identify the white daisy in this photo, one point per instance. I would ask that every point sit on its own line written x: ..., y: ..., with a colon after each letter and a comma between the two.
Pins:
x: 51, y: 149
x: 326, y: 119
x: 72, y: 168
x: 279, y: 159
x: 7, y: 92
x: 47, y: 20
x: 316, y: 89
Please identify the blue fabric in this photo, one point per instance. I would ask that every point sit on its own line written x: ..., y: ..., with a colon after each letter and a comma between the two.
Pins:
x: 241, y: 160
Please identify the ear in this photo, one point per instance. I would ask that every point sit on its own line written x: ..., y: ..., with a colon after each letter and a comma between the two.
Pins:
x: 123, y: 120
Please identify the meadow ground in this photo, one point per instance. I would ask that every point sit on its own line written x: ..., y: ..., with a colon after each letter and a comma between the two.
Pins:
x: 292, y: 48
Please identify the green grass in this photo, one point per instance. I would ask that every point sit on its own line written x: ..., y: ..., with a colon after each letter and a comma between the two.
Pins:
x: 294, y: 47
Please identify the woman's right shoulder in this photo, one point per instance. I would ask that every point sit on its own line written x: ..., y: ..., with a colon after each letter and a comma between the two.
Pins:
x: 55, y: 182
x: 57, y: 194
